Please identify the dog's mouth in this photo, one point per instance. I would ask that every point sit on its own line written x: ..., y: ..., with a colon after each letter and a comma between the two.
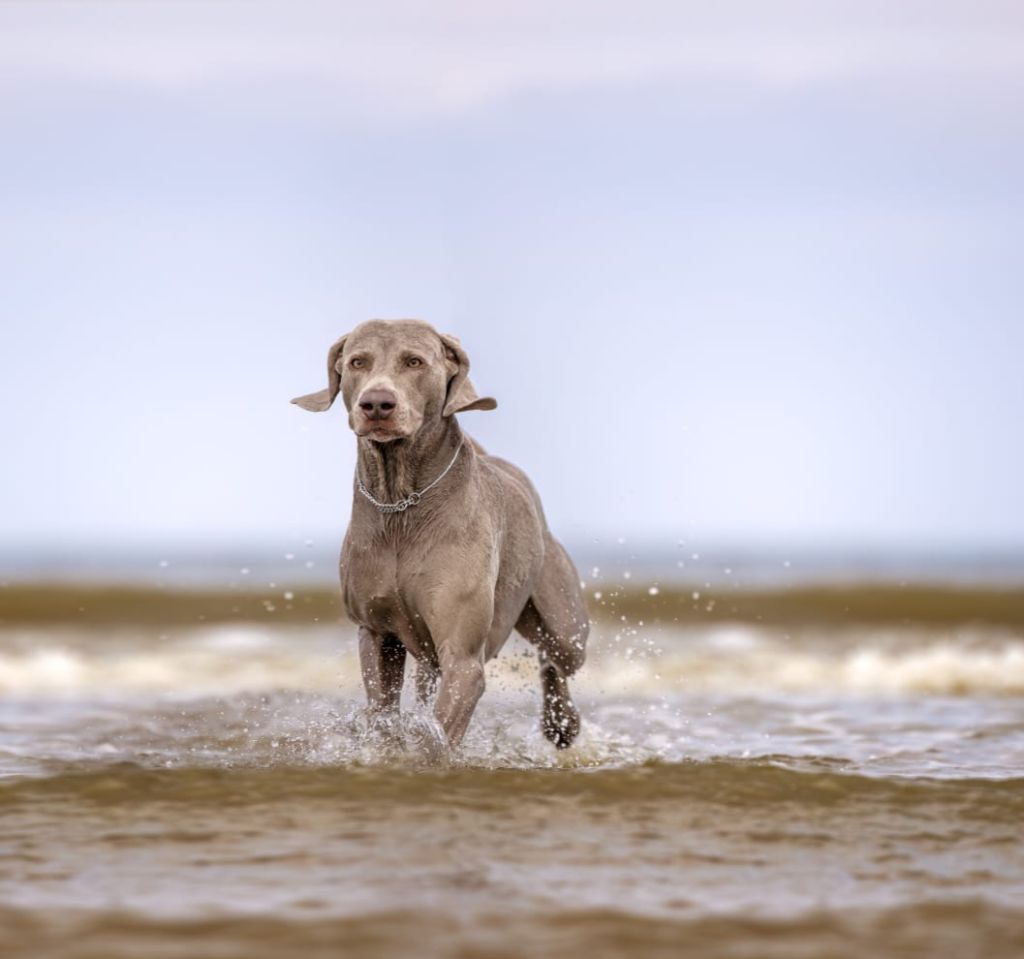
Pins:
x: 379, y: 433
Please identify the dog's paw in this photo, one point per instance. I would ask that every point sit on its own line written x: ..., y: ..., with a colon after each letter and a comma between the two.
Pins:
x: 560, y: 723
x: 426, y: 737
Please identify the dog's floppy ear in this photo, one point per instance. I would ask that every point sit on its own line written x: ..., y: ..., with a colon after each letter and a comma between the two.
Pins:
x: 322, y: 399
x: 461, y: 397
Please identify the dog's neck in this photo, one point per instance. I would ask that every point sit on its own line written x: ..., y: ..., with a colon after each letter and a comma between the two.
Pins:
x: 391, y: 471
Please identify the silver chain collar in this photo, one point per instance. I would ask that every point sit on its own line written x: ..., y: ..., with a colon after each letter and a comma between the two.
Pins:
x: 413, y: 498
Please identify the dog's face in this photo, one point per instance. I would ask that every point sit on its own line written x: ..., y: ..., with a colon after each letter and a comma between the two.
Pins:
x: 394, y: 376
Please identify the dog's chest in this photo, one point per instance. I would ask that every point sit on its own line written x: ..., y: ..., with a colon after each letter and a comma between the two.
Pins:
x: 378, y: 595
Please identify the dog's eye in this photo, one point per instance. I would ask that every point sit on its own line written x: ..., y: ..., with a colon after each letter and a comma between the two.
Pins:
x: 357, y: 362
x: 414, y: 361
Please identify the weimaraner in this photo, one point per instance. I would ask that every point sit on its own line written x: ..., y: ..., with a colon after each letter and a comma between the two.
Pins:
x: 448, y: 549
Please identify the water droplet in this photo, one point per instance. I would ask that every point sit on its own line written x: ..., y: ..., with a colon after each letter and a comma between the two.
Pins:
x: 653, y: 591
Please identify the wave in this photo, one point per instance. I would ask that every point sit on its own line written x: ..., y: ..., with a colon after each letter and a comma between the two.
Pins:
x: 748, y: 660
x: 218, y: 660
x: 732, y: 659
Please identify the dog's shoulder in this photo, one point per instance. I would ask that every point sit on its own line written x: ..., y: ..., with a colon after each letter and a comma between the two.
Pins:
x: 509, y: 482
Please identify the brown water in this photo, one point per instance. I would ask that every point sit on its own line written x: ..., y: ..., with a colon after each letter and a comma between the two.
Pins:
x: 736, y: 792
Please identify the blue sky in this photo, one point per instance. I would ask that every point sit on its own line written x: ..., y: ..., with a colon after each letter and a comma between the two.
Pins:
x: 752, y: 274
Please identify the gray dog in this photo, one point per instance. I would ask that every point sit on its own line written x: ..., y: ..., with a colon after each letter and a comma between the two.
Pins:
x: 448, y: 550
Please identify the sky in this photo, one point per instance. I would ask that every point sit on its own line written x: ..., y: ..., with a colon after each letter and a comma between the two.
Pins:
x: 742, y: 272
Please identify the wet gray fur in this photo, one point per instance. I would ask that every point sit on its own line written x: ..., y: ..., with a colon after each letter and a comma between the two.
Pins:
x: 448, y: 579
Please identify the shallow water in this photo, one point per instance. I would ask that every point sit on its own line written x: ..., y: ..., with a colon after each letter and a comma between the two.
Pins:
x: 736, y: 791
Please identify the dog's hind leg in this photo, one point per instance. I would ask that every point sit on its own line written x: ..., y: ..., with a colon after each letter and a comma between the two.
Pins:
x: 555, y: 620
x: 382, y: 660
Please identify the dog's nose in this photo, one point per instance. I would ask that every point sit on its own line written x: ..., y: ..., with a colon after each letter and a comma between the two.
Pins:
x: 378, y: 404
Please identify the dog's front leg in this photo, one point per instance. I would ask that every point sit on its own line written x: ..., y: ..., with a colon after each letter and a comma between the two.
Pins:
x: 462, y: 685
x: 382, y: 659
x: 427, y: 676
x: 459, y: 619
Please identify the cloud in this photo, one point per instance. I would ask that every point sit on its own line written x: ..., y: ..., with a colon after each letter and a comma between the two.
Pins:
x: 448, y: 58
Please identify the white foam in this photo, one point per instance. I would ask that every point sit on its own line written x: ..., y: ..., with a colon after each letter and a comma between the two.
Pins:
x: 875, y: 665
x: 728, y: 659
x: 211, y: 660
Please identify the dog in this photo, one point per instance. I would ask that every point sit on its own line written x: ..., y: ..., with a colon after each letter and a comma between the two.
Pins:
x: 448, y: 549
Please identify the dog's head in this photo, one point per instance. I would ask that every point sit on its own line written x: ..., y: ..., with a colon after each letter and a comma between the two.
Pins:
x: 394, y: 376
